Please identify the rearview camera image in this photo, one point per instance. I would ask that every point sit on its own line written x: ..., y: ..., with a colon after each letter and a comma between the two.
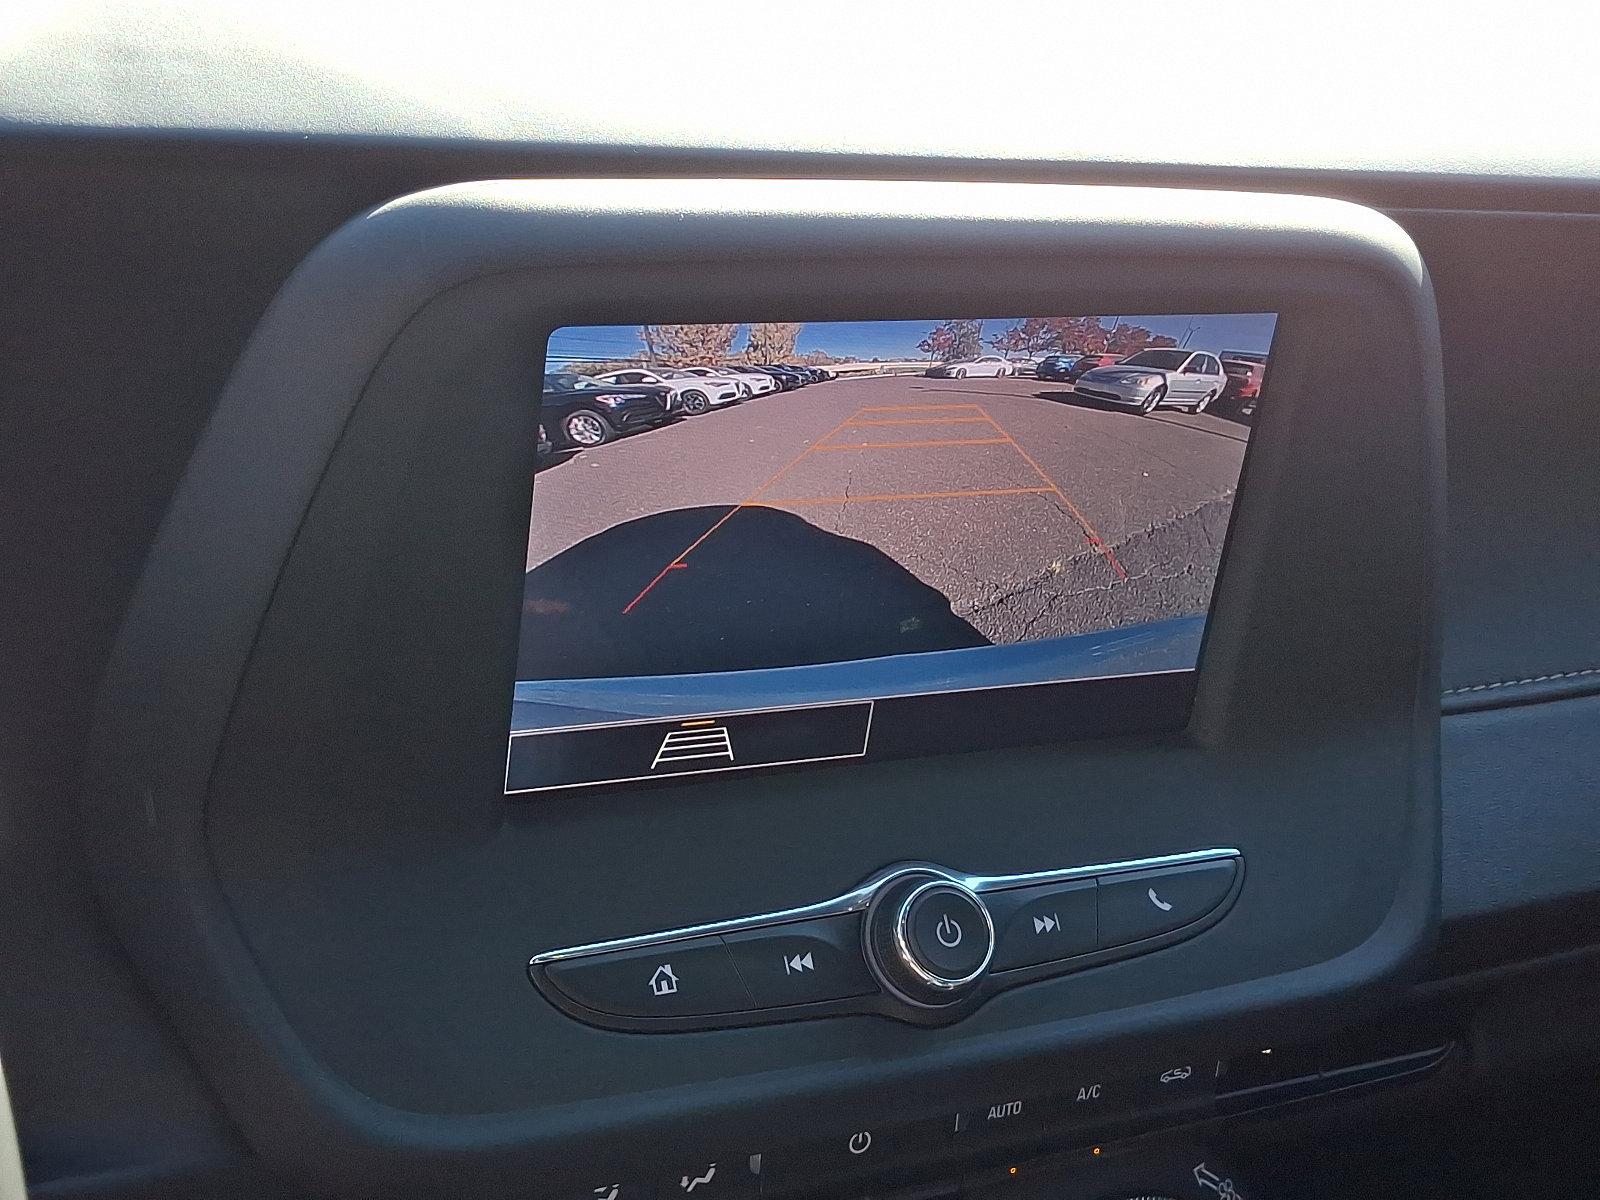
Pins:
x: 770, y: 544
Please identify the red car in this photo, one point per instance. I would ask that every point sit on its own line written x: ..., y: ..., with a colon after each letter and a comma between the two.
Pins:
x: 1244, y: 381
x: 1089, y: 362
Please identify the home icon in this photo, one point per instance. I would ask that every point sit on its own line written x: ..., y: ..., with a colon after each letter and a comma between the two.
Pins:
x: 663, y: 982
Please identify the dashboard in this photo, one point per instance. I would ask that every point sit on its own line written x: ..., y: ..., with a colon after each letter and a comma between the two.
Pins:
x: 821, y: 742
x: 338, y: 737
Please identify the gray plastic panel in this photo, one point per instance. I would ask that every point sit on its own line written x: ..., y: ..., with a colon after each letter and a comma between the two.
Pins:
x: 1513, y: 775
x: 294, y: 787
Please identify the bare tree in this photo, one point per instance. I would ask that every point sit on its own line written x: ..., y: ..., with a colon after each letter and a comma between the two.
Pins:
x: 773, y: 341
x: 950, y: 341
x: 1029, y: 336
x: 687, y: 345
x: 1128, y: 339
x: 1084, y: 335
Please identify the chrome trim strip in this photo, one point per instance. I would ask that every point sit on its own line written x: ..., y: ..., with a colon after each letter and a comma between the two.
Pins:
x: 857, y: 899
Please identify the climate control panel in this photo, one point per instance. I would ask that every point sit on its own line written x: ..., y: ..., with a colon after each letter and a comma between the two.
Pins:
x: 917, y: 942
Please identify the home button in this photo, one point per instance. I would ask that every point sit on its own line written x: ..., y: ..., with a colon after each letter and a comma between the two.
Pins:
x: 691, y: 977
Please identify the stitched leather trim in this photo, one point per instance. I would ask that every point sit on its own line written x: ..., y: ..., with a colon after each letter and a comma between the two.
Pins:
x: 1505, y: 683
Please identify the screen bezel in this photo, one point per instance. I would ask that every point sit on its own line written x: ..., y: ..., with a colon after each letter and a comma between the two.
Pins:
x: 1128, y: 703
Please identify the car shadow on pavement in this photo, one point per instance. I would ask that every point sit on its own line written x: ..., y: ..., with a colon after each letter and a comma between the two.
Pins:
x: 1165, y: 415
x: 1226, y: 428
x: 1233, y: 416
x: 1069, y: 396
x: 767, y: 589
x: 556, y: 458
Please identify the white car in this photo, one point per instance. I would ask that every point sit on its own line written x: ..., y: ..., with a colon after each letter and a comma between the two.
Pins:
x: 989, y: 364
x: 1152, y: 379
x: 696, y: 393
x: 759, y: 382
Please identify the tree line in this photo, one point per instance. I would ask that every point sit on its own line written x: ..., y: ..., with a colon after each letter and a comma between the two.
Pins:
x: 696, y: 345
x: 950, y: 341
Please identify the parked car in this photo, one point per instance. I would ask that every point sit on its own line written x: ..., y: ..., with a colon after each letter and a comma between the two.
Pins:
x: 813, y: 373
x: 1088, y: 362
x: 579, y: 412
x: 809, y: 374
x: 695, y: 393
x: 1056, y: 366
x: 759, y: 382
x: 1150, y: 379
x: 787, y: 378
x: 988, y: 365
x: 1245, y: 372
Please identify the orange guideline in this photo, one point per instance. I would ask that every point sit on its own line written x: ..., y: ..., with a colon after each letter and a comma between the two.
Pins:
x: 981, y: 416
x: 1092, y: 537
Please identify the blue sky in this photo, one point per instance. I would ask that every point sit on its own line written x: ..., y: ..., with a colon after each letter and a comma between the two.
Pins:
x: 898, y: 339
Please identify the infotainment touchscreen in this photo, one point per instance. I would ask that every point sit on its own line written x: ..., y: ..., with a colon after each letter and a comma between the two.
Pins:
x: 766, y: 545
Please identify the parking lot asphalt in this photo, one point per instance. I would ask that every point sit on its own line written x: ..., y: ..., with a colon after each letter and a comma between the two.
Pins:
x: 862, y: 517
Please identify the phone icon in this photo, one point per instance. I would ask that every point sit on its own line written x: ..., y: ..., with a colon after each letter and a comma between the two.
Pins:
x: 1158, y: 901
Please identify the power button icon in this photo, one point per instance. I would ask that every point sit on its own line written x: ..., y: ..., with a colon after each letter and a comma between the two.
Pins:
x: 930, y: 940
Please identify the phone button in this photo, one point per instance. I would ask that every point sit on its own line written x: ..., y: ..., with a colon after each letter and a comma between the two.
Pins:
x: 1145, y: 904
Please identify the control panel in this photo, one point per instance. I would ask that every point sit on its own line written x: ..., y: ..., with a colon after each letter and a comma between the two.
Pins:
x: 1094, y: 1115
x: 1130, y: 1131
x: 916, y: 942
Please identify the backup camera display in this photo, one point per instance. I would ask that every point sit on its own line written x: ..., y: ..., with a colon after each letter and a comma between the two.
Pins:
x: 770, y: 544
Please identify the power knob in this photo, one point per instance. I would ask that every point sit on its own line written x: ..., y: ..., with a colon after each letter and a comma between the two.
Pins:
x: 929, y: 940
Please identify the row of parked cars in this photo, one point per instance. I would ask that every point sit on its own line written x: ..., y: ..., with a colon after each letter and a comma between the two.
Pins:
x: 1164, y: 377
x: 1067, y: 366
x: 580, y: 411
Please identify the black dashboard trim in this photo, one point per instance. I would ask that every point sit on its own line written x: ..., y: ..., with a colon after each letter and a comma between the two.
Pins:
x: 153, y: 765
x: 302, y: 188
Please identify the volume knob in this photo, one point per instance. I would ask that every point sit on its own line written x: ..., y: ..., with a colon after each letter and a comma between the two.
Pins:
x: 929, y: 939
